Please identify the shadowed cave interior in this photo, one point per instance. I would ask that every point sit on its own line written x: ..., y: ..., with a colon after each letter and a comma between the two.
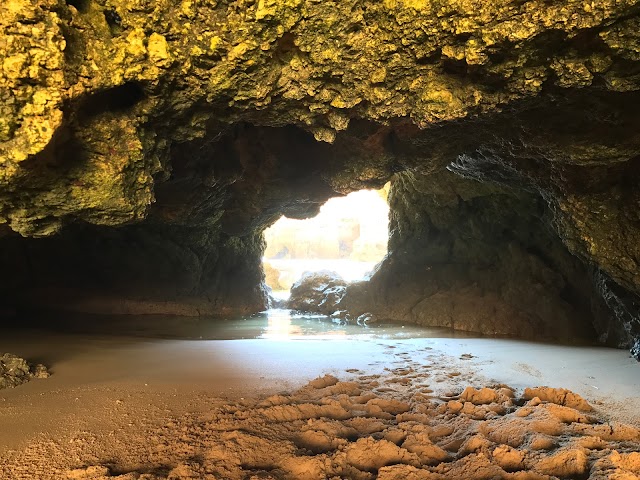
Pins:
x: 474, y: 244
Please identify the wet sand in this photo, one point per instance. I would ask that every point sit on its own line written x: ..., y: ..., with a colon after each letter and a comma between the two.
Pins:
x: 108, y: 395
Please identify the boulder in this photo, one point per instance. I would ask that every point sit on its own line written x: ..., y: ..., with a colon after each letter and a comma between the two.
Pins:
x: 15, y: 371
x: 319, y: 292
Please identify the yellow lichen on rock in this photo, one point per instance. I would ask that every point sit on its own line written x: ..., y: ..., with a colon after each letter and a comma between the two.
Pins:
x: 158, y: 49
x: 136, y: 48
x: 31, y: 81
x: 292, y: 62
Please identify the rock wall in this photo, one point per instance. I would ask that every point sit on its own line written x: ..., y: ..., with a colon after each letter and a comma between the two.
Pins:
x: 139, y: 269
x: 145, y: 145
x: 481, y: 257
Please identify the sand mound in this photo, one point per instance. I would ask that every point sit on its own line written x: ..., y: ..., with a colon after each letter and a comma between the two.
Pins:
x: 333, y: 430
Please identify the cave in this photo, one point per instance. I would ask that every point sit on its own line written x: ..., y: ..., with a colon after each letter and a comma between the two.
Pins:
x: 147, y: 149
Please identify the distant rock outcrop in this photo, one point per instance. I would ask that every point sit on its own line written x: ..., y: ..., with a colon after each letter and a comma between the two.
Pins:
x: 319, y: 292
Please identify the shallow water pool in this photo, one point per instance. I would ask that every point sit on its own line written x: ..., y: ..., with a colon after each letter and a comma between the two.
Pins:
x: 273, y: 324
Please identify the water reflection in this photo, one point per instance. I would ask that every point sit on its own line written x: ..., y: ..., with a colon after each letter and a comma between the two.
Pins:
x: 274, y: 324
x: 283, y: 324
x: 279, y: 325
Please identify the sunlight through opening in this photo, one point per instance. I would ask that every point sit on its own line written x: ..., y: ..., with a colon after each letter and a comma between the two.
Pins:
x: 349, y: 236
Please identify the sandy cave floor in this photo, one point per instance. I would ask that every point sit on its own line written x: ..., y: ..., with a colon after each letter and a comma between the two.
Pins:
x: 416, y: 408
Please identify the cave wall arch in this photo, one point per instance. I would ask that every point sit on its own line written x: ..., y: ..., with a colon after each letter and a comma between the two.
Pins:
x: 145, y: 145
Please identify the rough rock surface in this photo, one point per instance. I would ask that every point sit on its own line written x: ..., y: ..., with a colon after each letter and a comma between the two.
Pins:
x: 159, y: 139
x: 15, y: 371
x: 479, y: 257
x: 317, y: 292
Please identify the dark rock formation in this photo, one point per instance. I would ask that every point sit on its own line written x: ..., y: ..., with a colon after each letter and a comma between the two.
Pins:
x: 144, y: 147
x: 479, y: 257
x: 15, y: 371
x: 319, y: 292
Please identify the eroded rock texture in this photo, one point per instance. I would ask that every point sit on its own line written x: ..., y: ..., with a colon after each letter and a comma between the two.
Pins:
x: 145, y: 145
x: 15, y: 371
x: 478, y: 257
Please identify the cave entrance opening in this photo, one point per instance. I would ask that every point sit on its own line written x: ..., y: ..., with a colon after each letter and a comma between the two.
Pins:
x: 349, y: 236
